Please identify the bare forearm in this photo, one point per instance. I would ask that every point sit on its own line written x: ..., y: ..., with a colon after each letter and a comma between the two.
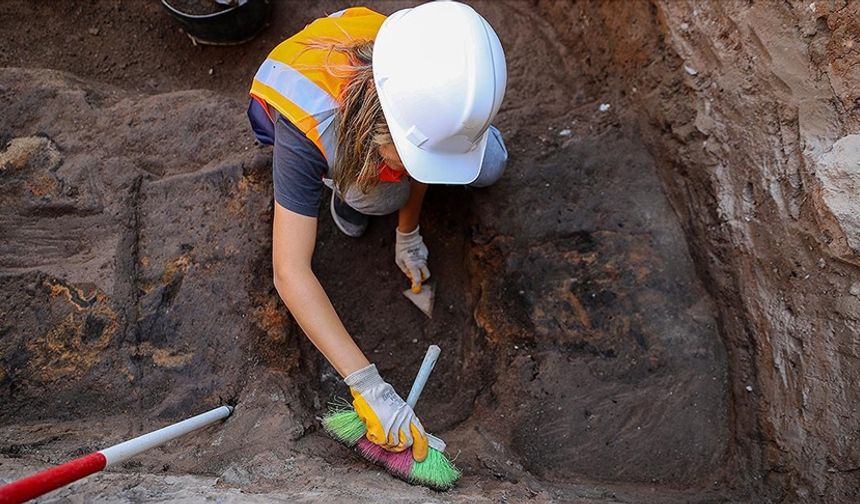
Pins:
x: 293, y: 239
x: 313, y: 311
x: 408, y: 216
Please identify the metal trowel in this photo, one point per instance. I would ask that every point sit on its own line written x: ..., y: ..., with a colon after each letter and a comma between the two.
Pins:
x: 422, y: 296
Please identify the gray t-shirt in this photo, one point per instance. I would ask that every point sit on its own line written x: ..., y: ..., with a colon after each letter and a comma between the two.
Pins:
x: 298, y: 168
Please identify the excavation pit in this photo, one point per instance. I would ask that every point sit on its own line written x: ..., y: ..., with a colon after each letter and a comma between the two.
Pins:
x: 590, y: 326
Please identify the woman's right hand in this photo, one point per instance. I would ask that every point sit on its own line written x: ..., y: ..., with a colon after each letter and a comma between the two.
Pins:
x: 390, y: 422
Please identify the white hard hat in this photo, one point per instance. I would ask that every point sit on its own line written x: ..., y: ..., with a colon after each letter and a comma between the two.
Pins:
x: 440, y: 75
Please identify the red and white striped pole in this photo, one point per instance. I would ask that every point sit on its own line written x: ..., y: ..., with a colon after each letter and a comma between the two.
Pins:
x: 51, y: 479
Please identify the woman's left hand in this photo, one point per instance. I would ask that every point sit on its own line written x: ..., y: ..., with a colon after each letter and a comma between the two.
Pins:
x: 411, y: 254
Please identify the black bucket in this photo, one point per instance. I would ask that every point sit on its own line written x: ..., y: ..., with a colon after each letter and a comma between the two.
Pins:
x: 231, y: 26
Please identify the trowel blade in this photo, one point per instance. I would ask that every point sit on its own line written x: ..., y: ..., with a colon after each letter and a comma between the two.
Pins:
x: 423, y: 300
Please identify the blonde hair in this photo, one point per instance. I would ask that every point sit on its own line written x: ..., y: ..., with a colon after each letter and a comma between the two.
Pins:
x: 361, y: 125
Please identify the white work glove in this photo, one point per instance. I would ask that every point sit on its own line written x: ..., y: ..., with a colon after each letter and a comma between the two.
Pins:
x: 390, y: 422
x: 410, y: 254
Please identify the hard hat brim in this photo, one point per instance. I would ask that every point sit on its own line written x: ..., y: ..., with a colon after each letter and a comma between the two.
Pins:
x: 432, y: 167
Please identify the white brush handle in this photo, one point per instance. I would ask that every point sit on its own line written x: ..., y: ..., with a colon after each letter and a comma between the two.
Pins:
x: 436, y: 443
x: 423, y: 374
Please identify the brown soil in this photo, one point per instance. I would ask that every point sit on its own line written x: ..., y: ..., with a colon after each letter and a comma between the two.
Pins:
x: 584, y: 358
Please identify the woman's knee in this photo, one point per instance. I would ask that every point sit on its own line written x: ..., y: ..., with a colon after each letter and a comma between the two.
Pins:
x: 495, y: 160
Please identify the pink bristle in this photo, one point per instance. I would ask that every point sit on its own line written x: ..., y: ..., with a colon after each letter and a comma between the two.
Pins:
x: 399, y: 464
x: 372, y: 452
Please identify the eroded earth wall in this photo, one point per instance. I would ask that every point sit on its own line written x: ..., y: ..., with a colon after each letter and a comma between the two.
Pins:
x: 751, y: 111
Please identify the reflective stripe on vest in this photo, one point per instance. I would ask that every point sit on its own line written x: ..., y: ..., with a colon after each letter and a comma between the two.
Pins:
x: 306, y: 99
x: 295, y: 79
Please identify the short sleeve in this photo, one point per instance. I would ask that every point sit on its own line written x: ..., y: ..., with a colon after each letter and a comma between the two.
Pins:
x: 262, y: 126
x: 298, y: 168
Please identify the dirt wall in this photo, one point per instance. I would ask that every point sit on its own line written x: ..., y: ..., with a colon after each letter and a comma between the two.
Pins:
x: 751, y: 111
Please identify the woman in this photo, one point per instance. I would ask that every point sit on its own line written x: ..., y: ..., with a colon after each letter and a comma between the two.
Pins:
x: 376, y: 108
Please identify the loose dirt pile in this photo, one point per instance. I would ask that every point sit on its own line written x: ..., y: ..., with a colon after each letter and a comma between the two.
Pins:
x: 583, y: 358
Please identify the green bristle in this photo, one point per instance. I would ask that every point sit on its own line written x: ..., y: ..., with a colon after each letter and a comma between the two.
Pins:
x: 436, y: 471
x: 345, y: 426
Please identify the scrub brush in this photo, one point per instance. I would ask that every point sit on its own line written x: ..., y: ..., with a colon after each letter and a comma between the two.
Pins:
x: 436, y: 471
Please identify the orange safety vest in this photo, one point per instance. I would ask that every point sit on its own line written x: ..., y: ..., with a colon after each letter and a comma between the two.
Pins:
x: 296, y: 81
